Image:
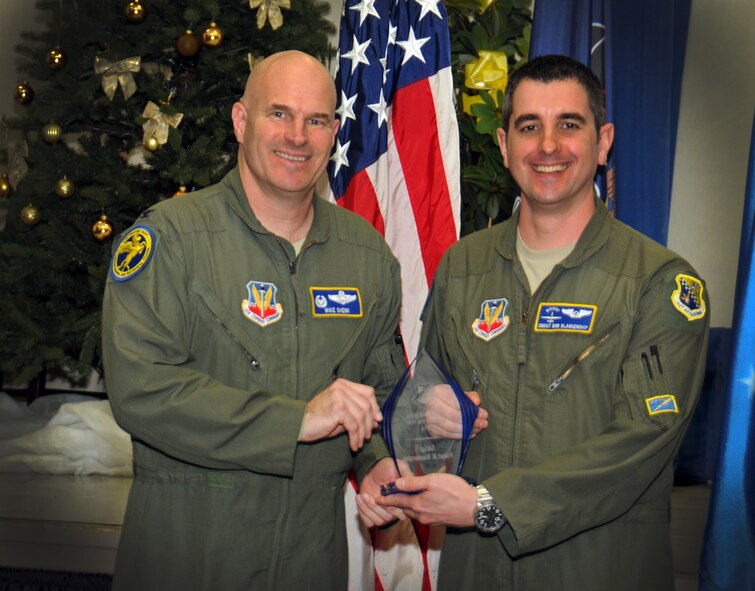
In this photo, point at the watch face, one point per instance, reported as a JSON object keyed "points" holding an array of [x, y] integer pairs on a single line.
{"points": [[489, 519]]}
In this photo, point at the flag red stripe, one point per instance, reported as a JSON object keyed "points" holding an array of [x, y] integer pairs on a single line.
{"points": [[360, 198], [415, 126]]}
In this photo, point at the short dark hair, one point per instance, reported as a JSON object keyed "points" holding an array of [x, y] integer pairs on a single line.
{"points": [[550, 68]]}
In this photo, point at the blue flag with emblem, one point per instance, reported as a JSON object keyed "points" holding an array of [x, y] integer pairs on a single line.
{"points": [[646, 39], [728, 557]]}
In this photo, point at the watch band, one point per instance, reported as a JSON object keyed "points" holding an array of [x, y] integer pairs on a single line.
{"points": [[488, 516]]}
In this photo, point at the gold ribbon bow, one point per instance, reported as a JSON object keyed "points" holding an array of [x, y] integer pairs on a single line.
{"points": [[120, 72], [157, 123], [490, 71], [270, 10]]}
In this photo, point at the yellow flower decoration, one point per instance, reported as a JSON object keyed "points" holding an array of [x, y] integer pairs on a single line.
{"points": [[270, 10], [490, 71]]}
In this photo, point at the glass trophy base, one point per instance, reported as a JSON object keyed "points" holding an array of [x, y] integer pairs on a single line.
{"points": [[391, 489]]}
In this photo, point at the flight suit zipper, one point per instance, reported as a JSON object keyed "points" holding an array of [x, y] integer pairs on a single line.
{"points": [[579, 358]]}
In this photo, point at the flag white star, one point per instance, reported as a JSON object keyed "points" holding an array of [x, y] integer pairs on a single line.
{"points": [[380, 108], [339, 156], [384, 63], [356, 53], [366, 8], [749, 381], [428, 6], [346, 110], [412, 47], [391, 33]]}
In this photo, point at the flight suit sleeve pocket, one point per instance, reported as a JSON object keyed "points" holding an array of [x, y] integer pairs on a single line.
{"points": [[651, 389]]}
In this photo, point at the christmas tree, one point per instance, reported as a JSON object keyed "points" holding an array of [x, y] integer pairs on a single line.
{"points": [[125, 104]]}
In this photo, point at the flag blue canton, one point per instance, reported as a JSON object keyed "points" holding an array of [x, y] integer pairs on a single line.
{"points": [[384, 46]]}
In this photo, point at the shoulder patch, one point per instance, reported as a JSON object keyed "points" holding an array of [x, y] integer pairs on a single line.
{"points": [[687, 298], [662, 404], [132, 254]]}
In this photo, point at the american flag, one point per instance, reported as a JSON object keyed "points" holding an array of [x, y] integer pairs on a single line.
{"points": [[396, 160], [396, 163]]}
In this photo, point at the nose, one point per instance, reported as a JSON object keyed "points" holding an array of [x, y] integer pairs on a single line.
{"points": [[296, 132], [549, 141]]}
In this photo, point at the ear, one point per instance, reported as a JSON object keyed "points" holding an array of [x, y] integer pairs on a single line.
{"points": [[605, 141], [238, 116], [502, 146]]}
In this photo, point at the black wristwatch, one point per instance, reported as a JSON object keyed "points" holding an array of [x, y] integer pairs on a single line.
{"points": [[488, 516]]}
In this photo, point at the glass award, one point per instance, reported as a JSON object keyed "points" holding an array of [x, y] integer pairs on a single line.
{"points": [[427, 421]]}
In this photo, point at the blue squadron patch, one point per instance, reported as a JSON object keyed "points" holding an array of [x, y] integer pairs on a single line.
{"points": [[132, 254], [661, 404], [688, 297], [336, 301], [261, 307], [561, 317], [493, 320]]}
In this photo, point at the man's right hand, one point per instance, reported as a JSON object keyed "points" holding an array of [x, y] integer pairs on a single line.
{"points": [[343, 407]]}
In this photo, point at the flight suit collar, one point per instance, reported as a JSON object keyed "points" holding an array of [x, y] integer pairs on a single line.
{"points": [[593, 237], [236, 198]]}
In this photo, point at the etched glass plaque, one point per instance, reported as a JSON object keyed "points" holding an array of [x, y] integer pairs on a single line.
{"points": [[427, 421]]}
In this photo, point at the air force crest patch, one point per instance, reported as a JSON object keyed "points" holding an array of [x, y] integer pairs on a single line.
{"points": [[336, 301], [493, 320], [261, 307], [132, 254], [688, 297], [560, 317], [662, 404]]}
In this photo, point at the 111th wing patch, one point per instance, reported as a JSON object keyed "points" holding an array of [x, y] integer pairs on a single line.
{"points": [[688, 297]]}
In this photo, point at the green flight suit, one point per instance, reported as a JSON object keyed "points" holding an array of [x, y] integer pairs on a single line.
{"points": [[215, 336], [590, 383]]}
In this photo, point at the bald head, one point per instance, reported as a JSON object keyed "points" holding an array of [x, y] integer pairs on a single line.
{"points": [[295, 63]]}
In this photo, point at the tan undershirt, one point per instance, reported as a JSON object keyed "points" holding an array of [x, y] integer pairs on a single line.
{"points": [[538, 264], [297, 245]]}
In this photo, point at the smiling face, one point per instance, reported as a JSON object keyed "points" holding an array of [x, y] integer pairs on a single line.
{"points": [[552, 148], [285, 126]]}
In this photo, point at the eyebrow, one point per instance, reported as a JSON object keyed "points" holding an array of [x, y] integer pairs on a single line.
{"points": [[287, 109], [562, 117]]}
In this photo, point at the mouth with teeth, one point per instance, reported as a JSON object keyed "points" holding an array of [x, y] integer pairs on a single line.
{"points": [[550, 168], [291, 157]]}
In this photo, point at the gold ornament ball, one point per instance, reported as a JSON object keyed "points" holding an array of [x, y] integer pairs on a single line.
{"points": [[151, 143], [24, 93], [5, 186], [135, 12], [187, 44], [51, 132], [30, 215], [102, 228], [56, 59], [181, 192], [212, 36], [64, 188]]}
